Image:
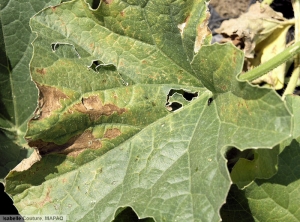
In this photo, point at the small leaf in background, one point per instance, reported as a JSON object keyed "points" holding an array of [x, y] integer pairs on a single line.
{"points": [[262, 165]]}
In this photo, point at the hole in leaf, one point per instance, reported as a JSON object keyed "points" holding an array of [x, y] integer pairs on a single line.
{"points": [[234, 154], [54, 46], [189, 96], [97, 65], [94, 4], [173, 106], [65, 50], [94, 65], [127, 214], [177, 98]]}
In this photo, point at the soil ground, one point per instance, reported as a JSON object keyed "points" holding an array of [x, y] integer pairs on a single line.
{"points": [[230, 8], [233, 8]]}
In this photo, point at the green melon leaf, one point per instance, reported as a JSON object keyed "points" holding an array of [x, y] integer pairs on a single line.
{"points": [[277, 198], [18, 94], [109, 126], [262, 166]]}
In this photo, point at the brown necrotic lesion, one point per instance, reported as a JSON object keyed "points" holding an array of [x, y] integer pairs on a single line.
{"points": [[95, 108], [73, 147], [92, 106], [49, 101], [76, 144]]}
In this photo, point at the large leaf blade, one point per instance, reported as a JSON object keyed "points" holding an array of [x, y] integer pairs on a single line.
{"points": [[120, 137]]}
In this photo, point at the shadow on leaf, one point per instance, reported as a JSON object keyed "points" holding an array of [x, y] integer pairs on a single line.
{"points": [[236, 207], [39, 172]]}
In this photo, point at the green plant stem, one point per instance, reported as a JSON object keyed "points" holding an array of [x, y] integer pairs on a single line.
{"points": [[264, 68], [287, 79], [296, 72]]}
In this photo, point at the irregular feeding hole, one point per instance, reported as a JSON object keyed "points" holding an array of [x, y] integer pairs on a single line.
{"points": [[97, 65], [65, 50], [177, 98], [234, 154], [94, 4], [94, 65], [173, 106], [54, 46], [189, 96]]}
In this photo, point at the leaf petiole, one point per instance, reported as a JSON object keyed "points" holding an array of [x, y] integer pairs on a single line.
{"points": [[264, 68], [296, 72]]}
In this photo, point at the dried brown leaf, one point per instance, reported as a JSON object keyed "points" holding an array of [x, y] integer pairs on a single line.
{"points": [[252, 27]]}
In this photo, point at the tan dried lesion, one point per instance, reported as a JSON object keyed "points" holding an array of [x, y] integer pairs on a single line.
{"points": [[49, 100], [112, 133], [73, 147], [95, 108], [202, 33]]}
